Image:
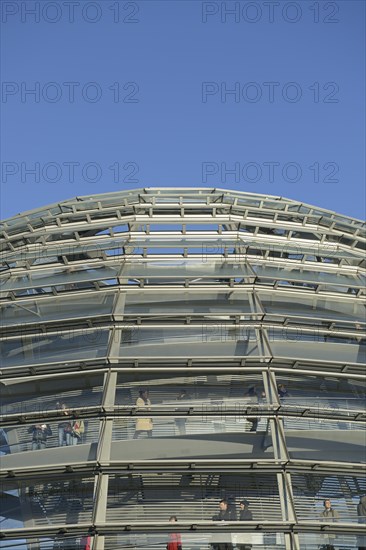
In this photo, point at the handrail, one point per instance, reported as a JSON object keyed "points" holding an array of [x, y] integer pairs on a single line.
{"points": [[220, 408], [106, 528], [231, 465]]}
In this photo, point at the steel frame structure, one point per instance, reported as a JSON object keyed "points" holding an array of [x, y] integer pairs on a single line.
{"points": [[176, 284]]}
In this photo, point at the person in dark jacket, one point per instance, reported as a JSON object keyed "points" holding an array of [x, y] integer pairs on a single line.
{"points": [[253, 394], [361, 512], [225, 514], [63, 426], [175, 541], [245, 515], [39, 432], [282, 391], [231, 506], [252, 391]]}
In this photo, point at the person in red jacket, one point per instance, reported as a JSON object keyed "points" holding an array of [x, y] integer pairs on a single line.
{"points": [[175, 541], [85, 542]]}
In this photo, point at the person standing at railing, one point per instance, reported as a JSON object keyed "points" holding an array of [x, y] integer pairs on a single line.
{"points": [[282, 391], [85, 542], [39, 432], [63, 426], [329, 515], [361, 512], [74, 430], [181, 421], [77, 430], [175, 540], [225, 514], [143, 425], [252, 391], [260, 398], [253, 394], [245, 515]]}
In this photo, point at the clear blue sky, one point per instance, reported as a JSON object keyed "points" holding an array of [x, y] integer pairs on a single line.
{"points": [[168, 121], [295, 126]]}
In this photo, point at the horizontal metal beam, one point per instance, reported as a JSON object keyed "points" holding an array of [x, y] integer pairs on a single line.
{"points": [[230, 466], [106, 529], [191, 369], [193, 364], [220, 408]]}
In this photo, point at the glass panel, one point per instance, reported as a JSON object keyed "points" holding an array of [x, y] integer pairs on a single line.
{"points": [[59, 542], [298, 345], [222, 340], [67, 276], [43, 435], [86, 248], [314, 541], [209, 405], [197, 541], [221, 302], [215, 245], [297, 275], [215, 404], [321, 440], [56, 309], [321, 393], [94, 228], [227, 390], [254, 443], [296, 248], [68, 346], [64, 500], [321, 423], [41, 396], [192, 497], [312, 307], [344, 493], [185, 268]]}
